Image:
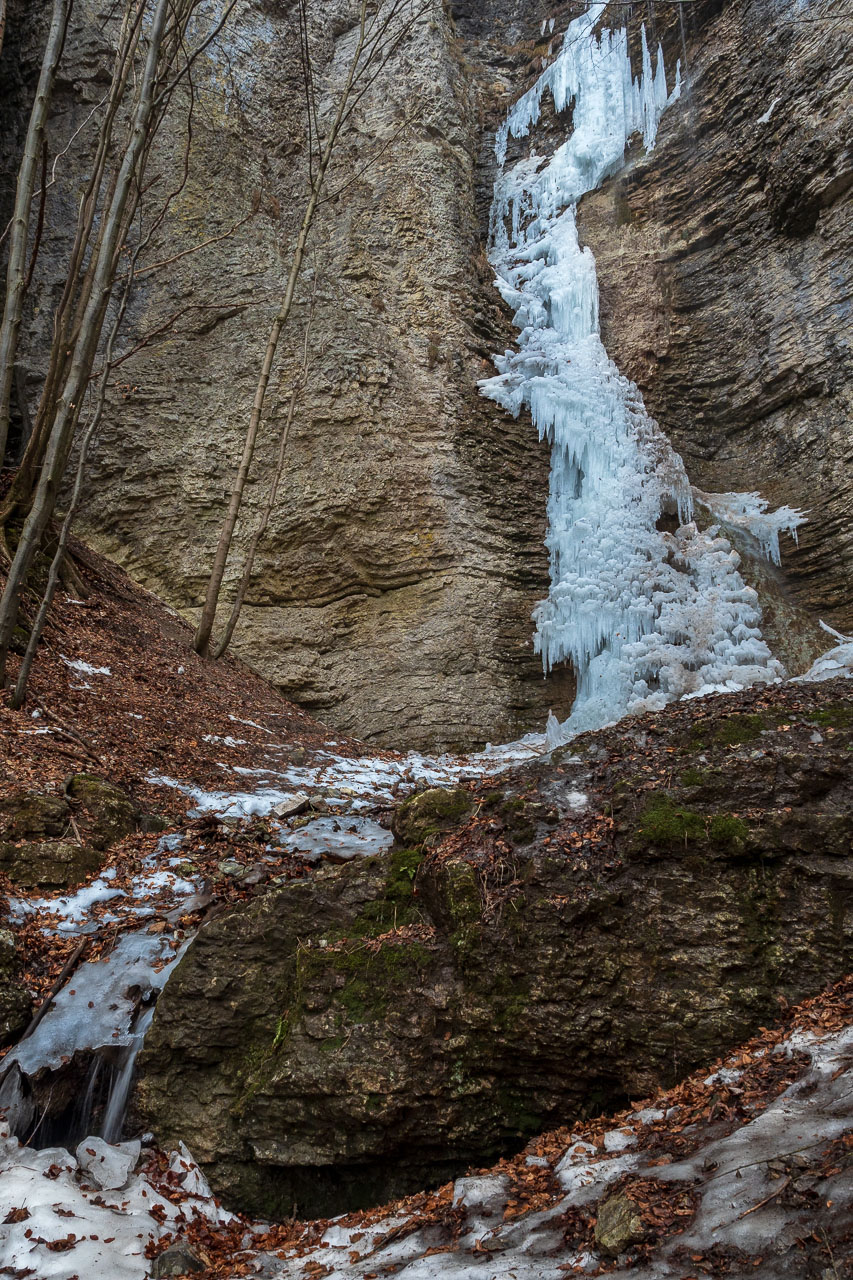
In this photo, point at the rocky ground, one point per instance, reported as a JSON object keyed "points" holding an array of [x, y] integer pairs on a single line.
{"points": [[421, 891]]}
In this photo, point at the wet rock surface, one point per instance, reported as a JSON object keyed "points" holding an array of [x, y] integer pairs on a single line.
{"points": [[376, 1027]]}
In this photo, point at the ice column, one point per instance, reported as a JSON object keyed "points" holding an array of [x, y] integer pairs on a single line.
{"points": [[645, 615]]}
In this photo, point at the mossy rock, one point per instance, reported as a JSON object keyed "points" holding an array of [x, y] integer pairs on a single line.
{"points": [[728, 832], [835, 716], [665, 824], [110, 813], [33, 816], [618, 1225], [421, 819], [49, 864], [16, 1007], [730, 731], [669, 825], [311, 1054]]}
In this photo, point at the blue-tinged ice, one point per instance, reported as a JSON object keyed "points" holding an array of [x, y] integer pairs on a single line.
{"points": [[644, 615]]}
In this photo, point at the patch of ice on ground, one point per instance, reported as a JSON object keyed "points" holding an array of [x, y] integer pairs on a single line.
{"points": [[152, 885], [812, 1112], [100, 1232], [85, 668], [253, 724], [369, 782], [72, 909], [344, 838], [618, 1140], [730, 1173], [726, 1075]]}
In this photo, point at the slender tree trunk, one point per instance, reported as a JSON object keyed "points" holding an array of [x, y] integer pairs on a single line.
{"points": [[246, 578], [56, 567], [16, 271], [276, 481], [80, 366], [201, 642], [2, 22], [20, 493]]}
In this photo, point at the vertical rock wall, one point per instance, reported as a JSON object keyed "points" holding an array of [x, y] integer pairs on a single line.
{"points": [[393, 593]]}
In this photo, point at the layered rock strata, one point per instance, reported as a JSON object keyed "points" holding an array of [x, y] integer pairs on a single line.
{"points": [[393, 592]]}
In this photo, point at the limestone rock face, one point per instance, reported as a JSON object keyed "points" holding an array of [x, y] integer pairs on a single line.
{"points": [[724, 267], [393, 592], [384, 1025], [394, 589]]}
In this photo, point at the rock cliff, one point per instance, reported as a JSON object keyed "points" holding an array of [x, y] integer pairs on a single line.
{"points": [[393, 592], [383, 1025]]}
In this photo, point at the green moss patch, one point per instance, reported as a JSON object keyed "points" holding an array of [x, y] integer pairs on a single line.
{"points": [[728, 832], [668, 825], [421, 819], [732, 731]]}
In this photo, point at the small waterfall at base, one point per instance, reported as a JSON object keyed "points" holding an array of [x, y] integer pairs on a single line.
{"points": [[116, 1107], [81, 1121], [646, 606]]}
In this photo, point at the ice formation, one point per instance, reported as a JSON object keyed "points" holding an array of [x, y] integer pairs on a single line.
{"points": [[645, 615], [97, 1010]]}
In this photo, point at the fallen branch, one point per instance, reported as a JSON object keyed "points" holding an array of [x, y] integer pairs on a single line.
{"points": [[71, 733], [67, 969], [773, 1194]]}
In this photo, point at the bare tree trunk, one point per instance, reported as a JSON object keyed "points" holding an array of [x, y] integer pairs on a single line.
{"points": [[273, 491], [68, 404], [56, 567], [2, 22], [20, 493], [201, 641], [16, 271]]}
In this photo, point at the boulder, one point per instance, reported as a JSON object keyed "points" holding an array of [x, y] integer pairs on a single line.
{"points": [[618, 1225], [32, 816], [384, 1025], [49, 864], [56, 842], [109, 813], [422, 818], [177, 1260]]}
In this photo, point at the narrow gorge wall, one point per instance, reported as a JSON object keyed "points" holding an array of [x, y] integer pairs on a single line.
{"points": [[393, 593]]}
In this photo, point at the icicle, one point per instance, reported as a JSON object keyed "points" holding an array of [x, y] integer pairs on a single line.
{"points": [[644, 615]]}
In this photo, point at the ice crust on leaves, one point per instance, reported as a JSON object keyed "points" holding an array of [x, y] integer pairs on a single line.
{"points": [[644, 615], [96, 1009]]}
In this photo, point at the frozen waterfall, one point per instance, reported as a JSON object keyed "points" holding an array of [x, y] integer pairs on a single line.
{"points": [[644, 615]]}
